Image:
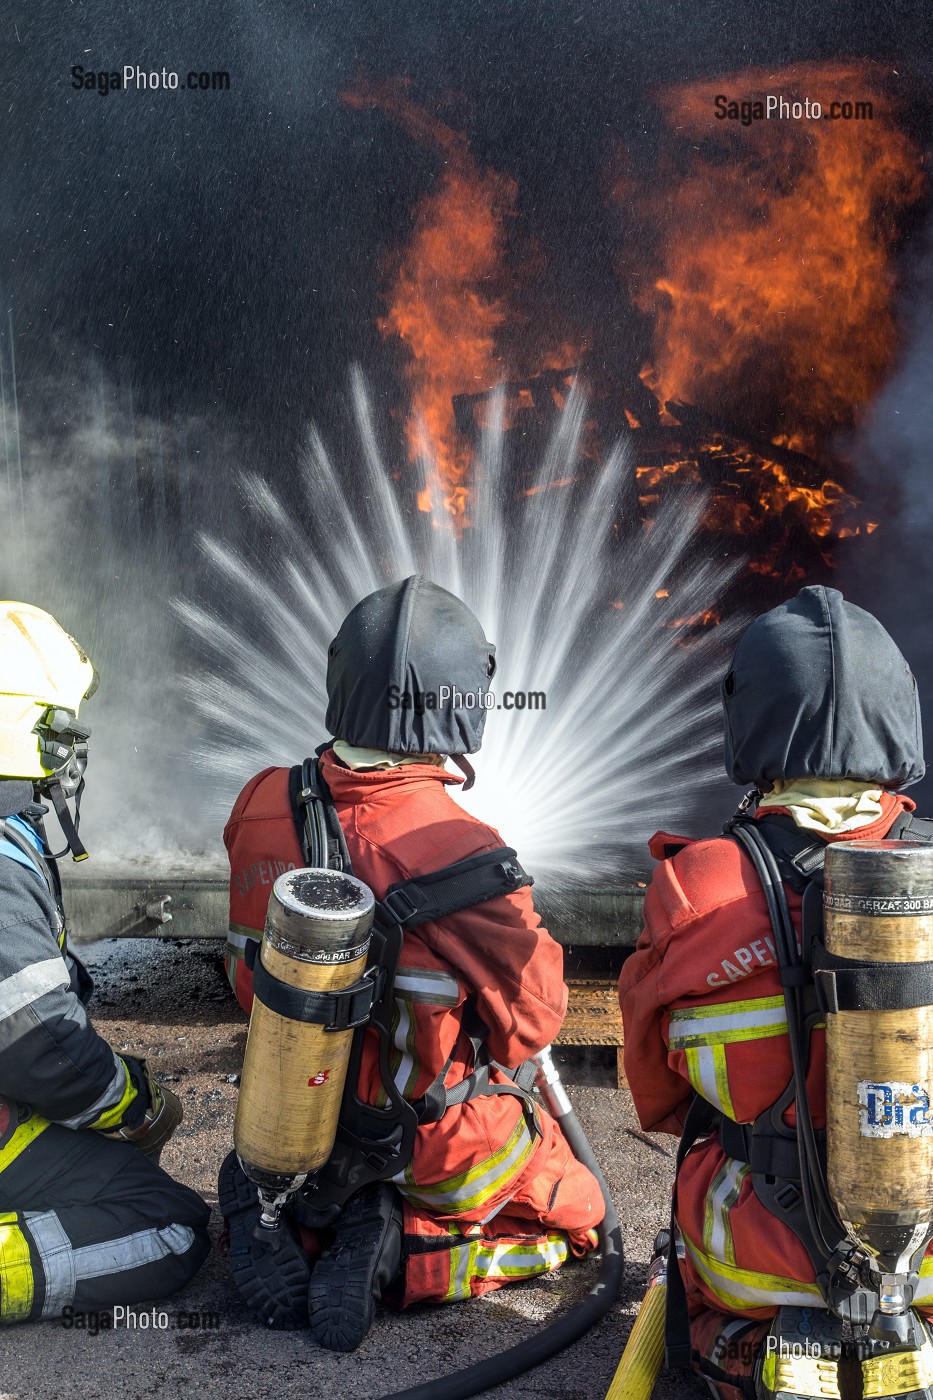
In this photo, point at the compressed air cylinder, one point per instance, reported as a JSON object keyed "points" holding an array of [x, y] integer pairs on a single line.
{"points": [[316, 939], [879, 908]]}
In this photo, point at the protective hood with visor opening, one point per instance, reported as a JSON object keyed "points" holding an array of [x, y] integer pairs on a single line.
{"points": [[818, 689], [407, 672]]}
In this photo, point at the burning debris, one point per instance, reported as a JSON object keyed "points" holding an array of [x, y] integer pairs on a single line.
{"points": [[772, 310], [768, 276]]}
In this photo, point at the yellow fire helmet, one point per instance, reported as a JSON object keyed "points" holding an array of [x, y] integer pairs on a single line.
{"points": [[43, 671], [44, 676]]}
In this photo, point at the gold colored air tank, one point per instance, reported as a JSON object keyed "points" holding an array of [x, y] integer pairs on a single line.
{"points": [[316, 939], [879, 908]]}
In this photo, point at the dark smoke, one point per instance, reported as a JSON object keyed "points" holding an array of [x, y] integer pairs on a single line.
{"points": [[189, 277]]}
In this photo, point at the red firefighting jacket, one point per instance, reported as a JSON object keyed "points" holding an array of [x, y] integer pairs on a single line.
{"points": [[704, 1012], [400, 823]]}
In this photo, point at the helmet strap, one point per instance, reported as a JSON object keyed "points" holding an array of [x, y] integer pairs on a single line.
{"points": [[68, 825]]}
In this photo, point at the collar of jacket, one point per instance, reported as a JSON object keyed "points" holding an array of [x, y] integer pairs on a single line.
{"points": [[347, 783], [892, 804], [15, 796], [356, 758]]}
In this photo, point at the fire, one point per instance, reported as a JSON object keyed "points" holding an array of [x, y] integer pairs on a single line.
{"points": [[449, 305], [442, 304], [775, 296], [557, 485], [773, 302], [708, 617]]}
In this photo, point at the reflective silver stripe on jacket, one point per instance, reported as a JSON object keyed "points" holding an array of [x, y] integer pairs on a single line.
{"points": [[57, 1257], [30, 983], [64, 1266], [108, 1099]]}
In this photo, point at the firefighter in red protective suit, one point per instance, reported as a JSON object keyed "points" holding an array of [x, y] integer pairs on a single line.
{"points": [[493, 1192], [821, 715]]}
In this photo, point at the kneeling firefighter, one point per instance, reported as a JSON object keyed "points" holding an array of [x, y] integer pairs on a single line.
{"points": [[472, 1184], [87, 1218], [798, 1275]]}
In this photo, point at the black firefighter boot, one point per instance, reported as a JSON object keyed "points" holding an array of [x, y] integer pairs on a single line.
{"points": [[271, 1279], [363, 1260]]}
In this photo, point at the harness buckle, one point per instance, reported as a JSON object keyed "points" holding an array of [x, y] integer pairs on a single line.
{"points": [[366, 991], [788, 1198], [400, 905]]}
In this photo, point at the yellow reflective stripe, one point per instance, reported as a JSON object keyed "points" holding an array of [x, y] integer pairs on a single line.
{"points": [[740, 1288], [22, 1136], [16, 1280], [709, 1075], [462, 1259], [475, 1186], [254, 933], [480, 1259], [721, 1197], [113, 1117], [723, 1010], [727, 1022], [521, 1260], [722, 1080]]}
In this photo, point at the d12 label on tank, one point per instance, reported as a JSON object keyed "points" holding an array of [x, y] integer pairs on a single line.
{"points": [[893, 1109], [319, 1078]]}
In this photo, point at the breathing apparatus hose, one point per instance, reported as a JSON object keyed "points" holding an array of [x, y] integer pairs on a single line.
{"points": [[820, 1211], [473, 1380]]}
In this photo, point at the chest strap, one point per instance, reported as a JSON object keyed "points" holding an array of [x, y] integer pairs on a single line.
{"points": [[409, 903]]}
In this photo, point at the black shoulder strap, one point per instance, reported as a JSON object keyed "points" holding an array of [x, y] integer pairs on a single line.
{"points": [[455, 887], [800, 854], [909, 827], [319, 831]]}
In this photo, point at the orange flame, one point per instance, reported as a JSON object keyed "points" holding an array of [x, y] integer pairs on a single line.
{"points": [[443, 305], [775, 299], [773, 306]]}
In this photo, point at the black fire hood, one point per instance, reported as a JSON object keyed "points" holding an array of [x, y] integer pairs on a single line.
{"points": [[817, 689], [407, 672]]}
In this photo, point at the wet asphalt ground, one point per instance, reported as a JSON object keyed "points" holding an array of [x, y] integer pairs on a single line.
{"points": [[170, 1002]]}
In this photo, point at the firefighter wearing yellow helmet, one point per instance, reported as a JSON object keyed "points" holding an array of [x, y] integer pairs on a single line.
{"points": [[88, 1219]]}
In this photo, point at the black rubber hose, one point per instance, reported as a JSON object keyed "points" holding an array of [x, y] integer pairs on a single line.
{"points": [[473, 1380]]}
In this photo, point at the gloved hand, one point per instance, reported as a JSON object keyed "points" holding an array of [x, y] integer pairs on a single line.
{"points": [[162, 1117]]}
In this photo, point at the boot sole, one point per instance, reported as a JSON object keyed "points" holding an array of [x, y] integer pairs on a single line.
{"points": [[273, 1282]]}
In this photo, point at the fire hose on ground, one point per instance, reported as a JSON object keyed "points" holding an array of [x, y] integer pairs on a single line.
{"points": [[515, 1361]]}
